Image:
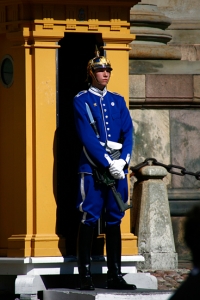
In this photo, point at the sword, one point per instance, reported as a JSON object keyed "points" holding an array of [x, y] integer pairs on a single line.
{"points": [[114, 152], [92, 121], [105, 177]]}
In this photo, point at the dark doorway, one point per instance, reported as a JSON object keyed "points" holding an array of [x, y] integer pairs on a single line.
{"points": [[73, 55]]}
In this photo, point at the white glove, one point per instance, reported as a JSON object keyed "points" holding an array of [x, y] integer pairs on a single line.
{"points": [[117, 166], [120, 176]]}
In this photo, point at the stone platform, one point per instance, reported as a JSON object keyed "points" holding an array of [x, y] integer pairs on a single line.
{"points": [[27, 275], [104, 294], [61, 265]]}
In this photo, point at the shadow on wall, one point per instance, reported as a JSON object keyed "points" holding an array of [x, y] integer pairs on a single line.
{"points": [[73, 55]]}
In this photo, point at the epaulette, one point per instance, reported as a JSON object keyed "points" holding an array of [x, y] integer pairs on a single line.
{"points": [[115, 93], [81, 93]]}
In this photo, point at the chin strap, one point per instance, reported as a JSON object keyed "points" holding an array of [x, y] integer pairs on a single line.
{"points": [[93, 76]]}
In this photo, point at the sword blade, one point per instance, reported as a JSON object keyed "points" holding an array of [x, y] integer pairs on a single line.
{"points": [[92, 121], [89, 113]]}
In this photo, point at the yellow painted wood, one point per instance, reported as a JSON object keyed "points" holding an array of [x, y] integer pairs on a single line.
{"points": [[29, 33]]}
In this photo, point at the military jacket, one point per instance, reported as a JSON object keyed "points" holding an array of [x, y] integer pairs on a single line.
{"points": [[113, 123]]}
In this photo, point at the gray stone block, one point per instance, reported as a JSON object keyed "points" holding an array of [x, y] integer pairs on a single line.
{"points": [[137, 86], [196, 80], [185, 36], [188, 52], [152, 220], [154, 51], [163, 67], [159, 261], [151, 137], [142, 280], [29, 285], [169, 86], [185, 128]]}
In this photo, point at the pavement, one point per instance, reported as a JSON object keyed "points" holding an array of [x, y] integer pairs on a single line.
{"points": [[170, 279], [104, 294], [168, 282]]}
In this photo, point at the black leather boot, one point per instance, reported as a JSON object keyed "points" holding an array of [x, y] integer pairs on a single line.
{"points": [[84, 244], [113, 248]]}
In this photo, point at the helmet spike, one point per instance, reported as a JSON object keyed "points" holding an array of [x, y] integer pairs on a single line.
{"points": [[97, 52]]}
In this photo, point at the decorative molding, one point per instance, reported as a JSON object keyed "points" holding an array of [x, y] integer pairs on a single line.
{"points": [[182, 200], [11, 13], [116, 48], [149, 24], [48, 12], [71, 13], [70, 27], [184, 25], [48, 26], [93, 13], [154, 52], [168, 103], [93, 27], [184, 194], [35, 245], [71, 18], [115, 14], [35, 39], [2, 14], [164, 91], [12, 17], [2, 18], [44, 46], [19, 245], [115, 27], [126, 3]]}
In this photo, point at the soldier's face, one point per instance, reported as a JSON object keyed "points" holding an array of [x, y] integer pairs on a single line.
{"points": [[102, 78]]}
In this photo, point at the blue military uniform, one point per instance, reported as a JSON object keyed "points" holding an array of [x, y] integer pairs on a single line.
{"points": [[114, 124]]}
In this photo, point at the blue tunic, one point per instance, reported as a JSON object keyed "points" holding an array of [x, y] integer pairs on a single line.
{"points": [[113, 123]]}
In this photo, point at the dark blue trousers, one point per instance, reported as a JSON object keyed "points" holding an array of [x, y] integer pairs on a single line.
{"points": [[93, 198]]}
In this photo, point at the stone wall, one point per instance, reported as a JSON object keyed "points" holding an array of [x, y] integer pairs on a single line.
{"points": [[165, 97], [185, 27]]}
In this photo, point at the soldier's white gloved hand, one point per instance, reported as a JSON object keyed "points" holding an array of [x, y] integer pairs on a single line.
{"points": [[119, 176], [117, 166]]}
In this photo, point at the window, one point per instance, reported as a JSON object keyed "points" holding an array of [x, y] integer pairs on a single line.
{"points": [[6, 69]]}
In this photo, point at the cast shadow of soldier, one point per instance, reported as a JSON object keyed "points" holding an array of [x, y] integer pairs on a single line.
{"points": [[67, 147]]}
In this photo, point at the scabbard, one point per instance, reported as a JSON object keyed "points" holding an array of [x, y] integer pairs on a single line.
{"points": [[118, 198]]}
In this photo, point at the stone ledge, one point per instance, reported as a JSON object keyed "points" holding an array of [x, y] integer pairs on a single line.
{"points": [[102, 294], [149, 51], [142, 67], [61, 265]]}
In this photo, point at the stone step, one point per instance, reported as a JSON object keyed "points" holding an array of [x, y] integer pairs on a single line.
{"points": [[104, 294], [61, 265]]}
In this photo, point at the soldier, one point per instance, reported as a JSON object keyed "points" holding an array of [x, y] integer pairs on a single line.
{"points": [[105, 129]]}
